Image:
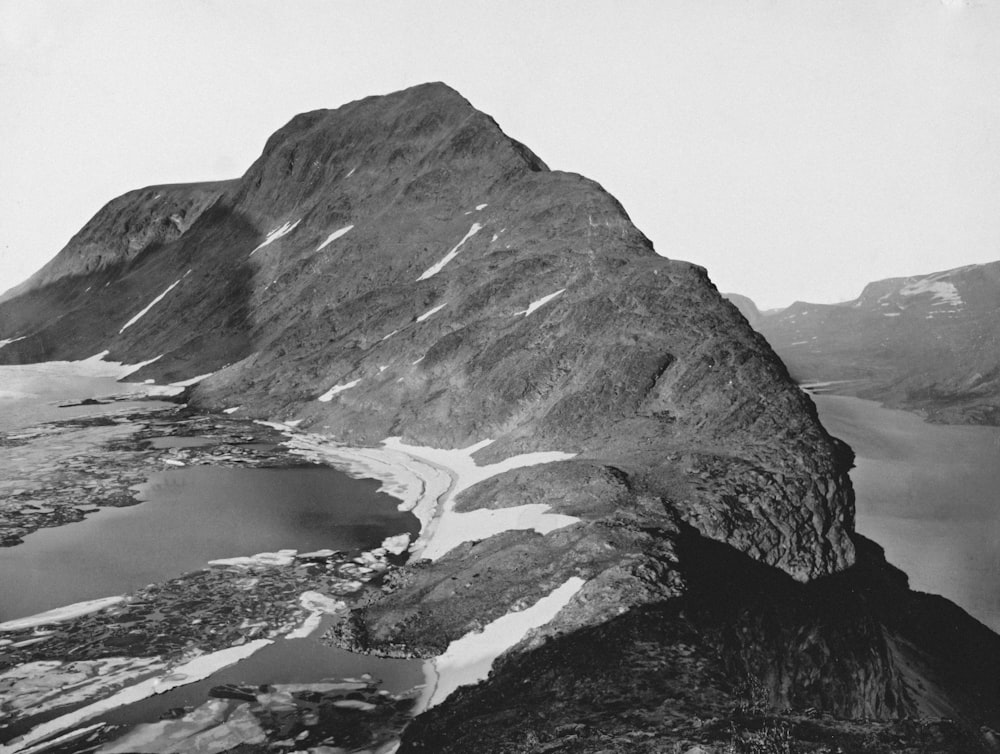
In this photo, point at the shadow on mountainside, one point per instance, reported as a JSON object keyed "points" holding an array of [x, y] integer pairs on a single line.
{"points": [[748, 660], [82, 315]]}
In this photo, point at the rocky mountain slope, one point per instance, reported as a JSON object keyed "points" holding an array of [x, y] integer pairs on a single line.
{"points": [[926, 342], [399, 267]]}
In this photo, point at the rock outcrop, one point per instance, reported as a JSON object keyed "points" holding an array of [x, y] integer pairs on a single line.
{"points": [[399, 267], [927, 343]]}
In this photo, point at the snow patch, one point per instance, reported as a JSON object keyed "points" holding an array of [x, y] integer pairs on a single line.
{"points": [[334, 236], [328, 395], [210, 728], [317, 554], [275, 233], [386, 337], [317, 605], [192, 380], [414, 363], [351, 173], [44, 685], [430, 312], [426, 481], [8, 341], [468, 660], [262, 559], [60, 614], [396, 545], [537, 304], [436, 268], [481, 207], [151, 304], [945, 292], [449, 528], [456, 528], [232, 410], [317, 602], [65, 738], [194, 670], [891, 314]]}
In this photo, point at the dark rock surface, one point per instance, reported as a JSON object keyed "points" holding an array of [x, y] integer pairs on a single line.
{"points": [[746, 661], [927, 343], [324, 266]]}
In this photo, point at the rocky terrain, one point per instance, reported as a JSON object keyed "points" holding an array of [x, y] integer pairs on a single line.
{"points": [[401, 268], [926, 343], [57, 473], [50, 474], [745, 661]]}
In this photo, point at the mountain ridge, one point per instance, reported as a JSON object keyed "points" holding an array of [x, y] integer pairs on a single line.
{"points": [[400, 269], [923, 342]]}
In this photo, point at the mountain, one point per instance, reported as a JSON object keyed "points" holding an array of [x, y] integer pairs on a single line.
{"points": [[401, 268], [746, 307], [926, 343], [400, 245]]}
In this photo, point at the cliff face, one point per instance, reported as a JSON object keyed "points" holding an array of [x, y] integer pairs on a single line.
{"points": [[401, 267], [926, 342]]}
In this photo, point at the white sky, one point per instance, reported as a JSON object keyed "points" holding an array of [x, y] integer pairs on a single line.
{"points": [[797, 149]]}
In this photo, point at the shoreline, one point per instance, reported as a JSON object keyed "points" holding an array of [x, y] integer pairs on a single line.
{"points": [[427, 481]]}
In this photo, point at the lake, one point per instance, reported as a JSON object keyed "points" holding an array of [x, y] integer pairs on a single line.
{"points": [[190, 516], [930, 495]]}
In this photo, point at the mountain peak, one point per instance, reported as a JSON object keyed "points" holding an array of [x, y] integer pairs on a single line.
{"points": [[402, 136]]}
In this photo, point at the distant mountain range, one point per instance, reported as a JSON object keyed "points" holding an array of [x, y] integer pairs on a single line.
{"points": [[927, 343]]}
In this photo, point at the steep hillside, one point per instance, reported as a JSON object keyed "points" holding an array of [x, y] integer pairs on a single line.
{"points": [[400, 266], [400, 276], [927, 342]]}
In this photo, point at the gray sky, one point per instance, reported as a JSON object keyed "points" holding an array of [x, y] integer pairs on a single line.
{"points": [[797, 149]]}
